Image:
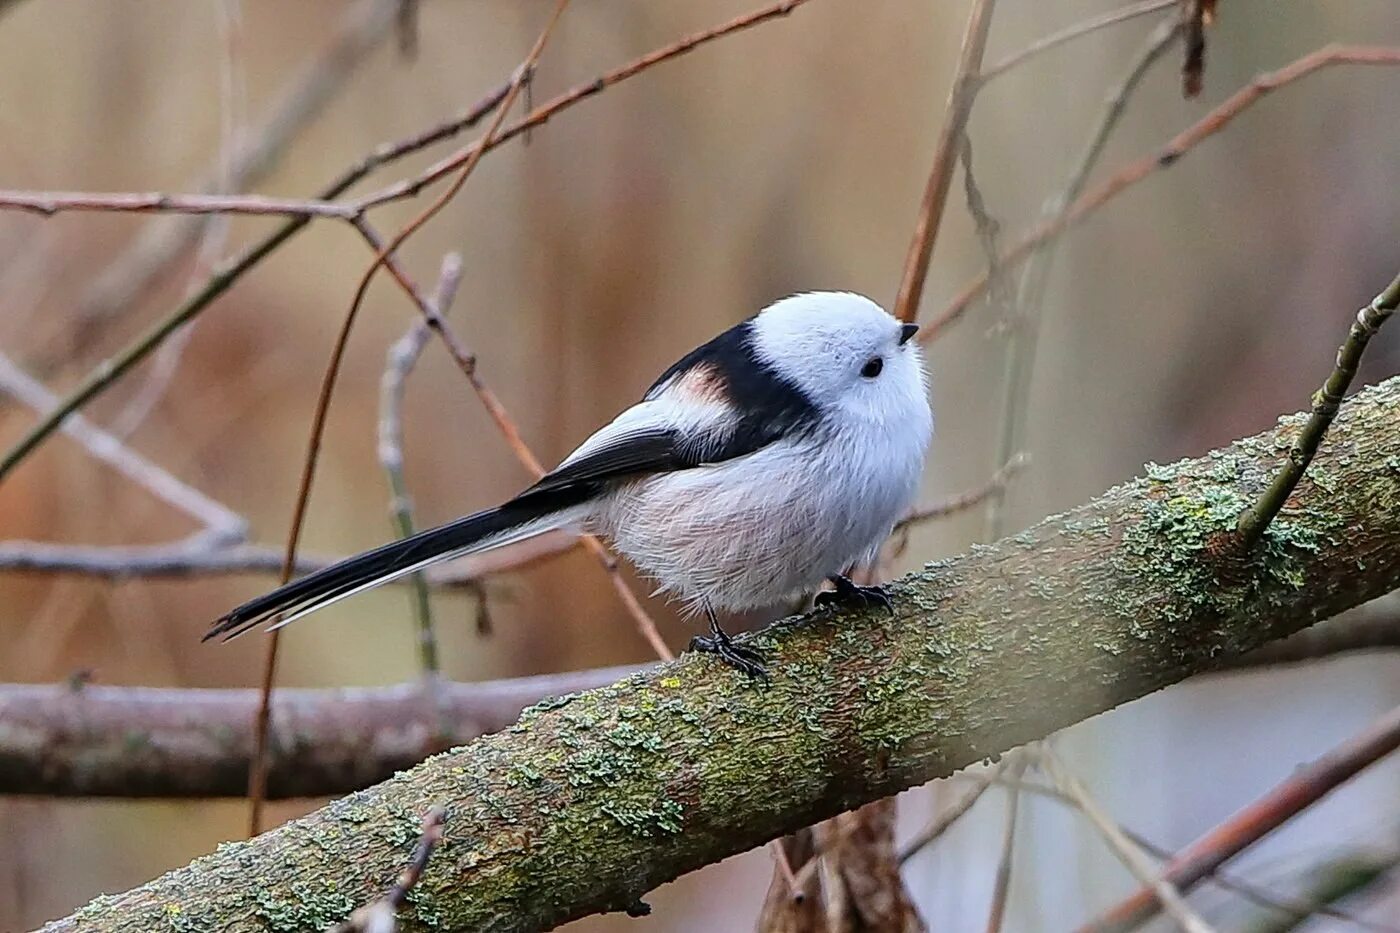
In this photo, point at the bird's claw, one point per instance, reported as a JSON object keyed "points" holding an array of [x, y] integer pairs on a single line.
{"points": [[847, 592], [737, 656]]}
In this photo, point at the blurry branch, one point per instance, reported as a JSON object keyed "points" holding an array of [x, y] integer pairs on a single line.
{"points": [[401, 358], [1366, 628], [220, 524], [1001, 878], [256, 773], [262, 145], [966, 500], [1054, 40], [1331, 882], [1139, 169], [1198, 15], [1295, 907], [945, 156], [1023, 338], [1325, 403], [199, 556], [542, 114], [587, 803], [49, 203], [945, 820], [1301, 790], [114, 368], [97, 741], [1127, 851], [381, 916]]}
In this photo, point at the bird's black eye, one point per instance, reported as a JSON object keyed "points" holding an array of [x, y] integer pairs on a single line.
{"points": [[872, 367]]}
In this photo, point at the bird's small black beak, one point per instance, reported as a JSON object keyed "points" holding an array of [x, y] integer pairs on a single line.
{"points": [[906, 331]]}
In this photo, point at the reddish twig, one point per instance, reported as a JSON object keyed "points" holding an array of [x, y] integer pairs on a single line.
{"points": [[466, 361], [257, 773], [544, 112], [1286, 800], [945, 157], [1135, 171]]}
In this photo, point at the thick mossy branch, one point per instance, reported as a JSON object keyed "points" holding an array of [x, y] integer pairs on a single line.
{"points": [[588, 802]]}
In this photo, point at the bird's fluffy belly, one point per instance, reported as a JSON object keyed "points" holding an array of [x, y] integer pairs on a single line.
{"points": [[749, 533]]}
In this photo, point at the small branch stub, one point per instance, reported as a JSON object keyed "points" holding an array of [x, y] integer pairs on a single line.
{"points": [[1325, 403]]}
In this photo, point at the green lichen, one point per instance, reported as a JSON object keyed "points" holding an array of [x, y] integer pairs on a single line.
{"points": [[661, 817], [297, 907]]}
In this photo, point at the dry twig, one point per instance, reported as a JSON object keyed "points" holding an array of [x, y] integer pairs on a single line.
{"points": [[1139, 169], [381, 916], [1286, 800], [945, 157]]}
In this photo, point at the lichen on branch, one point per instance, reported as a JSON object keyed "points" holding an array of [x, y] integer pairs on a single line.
{"points": [[590, 801]]}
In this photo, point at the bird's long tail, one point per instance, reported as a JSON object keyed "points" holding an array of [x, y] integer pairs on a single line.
{"points": [[518, 519]]}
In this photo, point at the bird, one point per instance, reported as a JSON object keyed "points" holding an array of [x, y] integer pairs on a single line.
{"points": [[764, 464]]}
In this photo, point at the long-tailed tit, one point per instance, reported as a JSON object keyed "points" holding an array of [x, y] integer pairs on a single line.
{"points": [[775, 457]]}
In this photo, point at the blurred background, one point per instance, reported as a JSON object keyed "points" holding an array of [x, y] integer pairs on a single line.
{"points": [[1192, 310]]}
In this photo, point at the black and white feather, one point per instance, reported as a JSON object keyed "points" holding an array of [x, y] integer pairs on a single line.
{"points": [[772, 457]]}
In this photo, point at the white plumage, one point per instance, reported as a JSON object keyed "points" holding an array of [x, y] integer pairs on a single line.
{"points": [[775, 457]]}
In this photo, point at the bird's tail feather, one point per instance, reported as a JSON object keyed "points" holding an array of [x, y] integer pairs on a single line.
{"points": [[481, 531]]}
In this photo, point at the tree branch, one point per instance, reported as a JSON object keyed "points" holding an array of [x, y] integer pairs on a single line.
{"points": [[589, 802], [96, 741]]}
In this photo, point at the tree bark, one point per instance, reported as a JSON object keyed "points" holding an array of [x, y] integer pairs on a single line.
{"points": [[89, 741], [589, 802]]}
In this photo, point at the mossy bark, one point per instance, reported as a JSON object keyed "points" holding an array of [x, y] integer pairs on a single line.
{"points": [[590, 801]]}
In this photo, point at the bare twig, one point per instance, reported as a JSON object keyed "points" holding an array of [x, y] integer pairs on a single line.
{"points": [[305, 95], [1286, 800], [1325, 403], [1196, 16], [1273, 900], [1367, 628], [1139, 169], [402, 357], [117, 366], [945, 156], [945, 820], [966, 500], [1001, 884], [1127, 851], [1023, 340], [219, 522], [381, 916], [256, 779], [1091, 25], [51, 203], [510, 432], [542, 114]]}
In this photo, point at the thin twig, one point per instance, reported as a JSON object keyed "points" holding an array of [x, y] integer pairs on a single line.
{"points": [[1325, 403], [401, 359], [219, 522], [966, 500], [1001, 885], [544, 112], [1029, 298], [1091, 25], [1139, 169], [466, 361], [1128, 853], [1302, 789], [52, 203], [257, 777], [112, 369], [945, 156], [304, 96], [382, 915], [945, 820]]}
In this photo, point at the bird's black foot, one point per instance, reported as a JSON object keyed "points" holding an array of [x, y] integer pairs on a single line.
{"points": [[737, 656], [847, 592]]}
